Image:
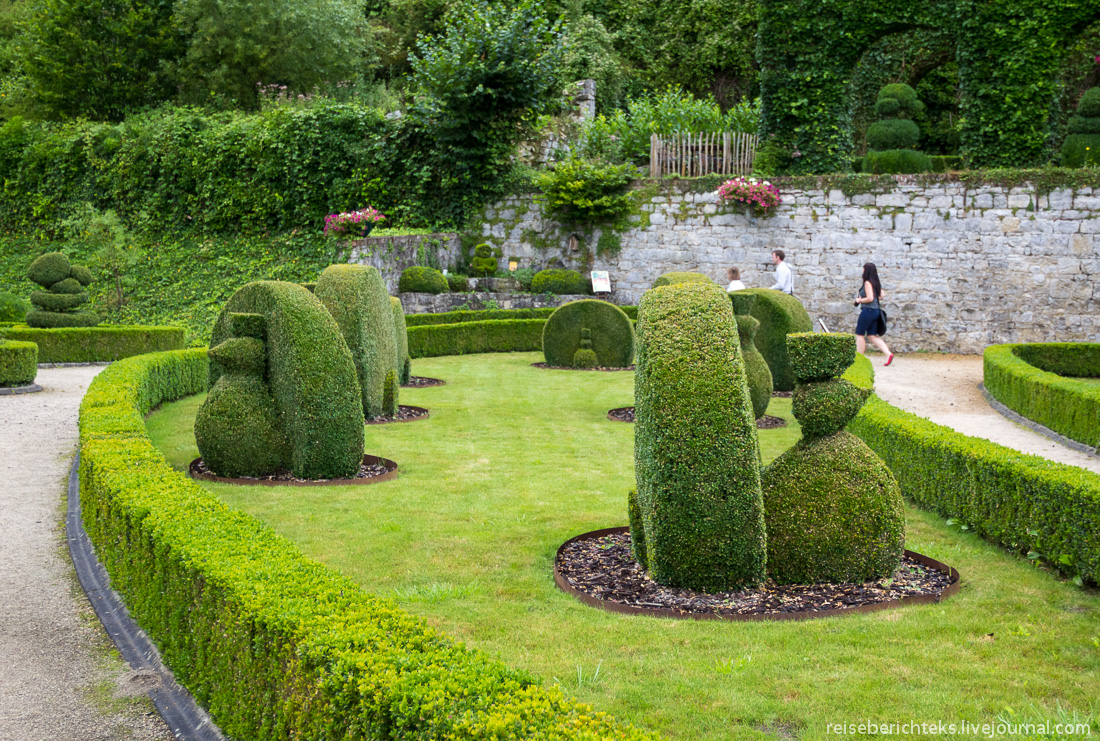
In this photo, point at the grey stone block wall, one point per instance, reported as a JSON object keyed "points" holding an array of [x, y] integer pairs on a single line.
{"points": [[391, 255], [427, 303]]}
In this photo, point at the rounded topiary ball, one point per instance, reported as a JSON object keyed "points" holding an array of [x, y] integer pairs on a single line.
{"points": [[49, 268], [833, 513], [418, 279], [612, 333], [1089, 105], [82, 274], [893, 133]]}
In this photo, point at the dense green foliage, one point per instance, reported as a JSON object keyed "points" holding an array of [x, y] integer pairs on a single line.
{"points": [[420, 279], [818, 356], [696, 456], [1044, 382], [612, 334], [757, 373], [779, 314], [12, 308], [458, 283], [456, 317], [18, 363], [494, 335], [485, 259], [311, 374], [211, 585], [587, 193], [1082, 145], [893, 133], [401, 349], [96, 344], [898, 161], [355, 296], [561, 282], [669, 279]]}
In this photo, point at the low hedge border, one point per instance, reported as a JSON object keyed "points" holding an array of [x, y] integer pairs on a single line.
{"points": [[457, 317], [274, 644], [494, 335], [1022, 502], [18, 363], [96, 344], [1031, 380]]}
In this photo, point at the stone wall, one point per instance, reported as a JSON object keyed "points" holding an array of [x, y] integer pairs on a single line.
{"points": [[429, 303], [391, 255], [962, 267]]}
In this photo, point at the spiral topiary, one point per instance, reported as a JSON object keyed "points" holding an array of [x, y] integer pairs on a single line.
{"points": [[611, 334], [757, 374], [404, 363], [64, 293], [1082, 144], [892, 138], [833, 509]]}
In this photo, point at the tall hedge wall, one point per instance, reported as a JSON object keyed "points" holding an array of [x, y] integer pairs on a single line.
{"points": [[274, 644]]}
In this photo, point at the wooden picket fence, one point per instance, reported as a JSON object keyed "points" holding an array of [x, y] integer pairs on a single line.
{"points": [[695, 155]]}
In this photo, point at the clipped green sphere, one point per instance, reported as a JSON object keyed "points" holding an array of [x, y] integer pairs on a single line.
{"points": [[1089, 105], [49, 268], [612, 333], [69, 285], [418, 279], [82, 275]]}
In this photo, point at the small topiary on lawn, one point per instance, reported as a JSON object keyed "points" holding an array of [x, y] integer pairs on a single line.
{"points": [[18, 363], [1082, 144], [669, 279], [779, 314], [419, 279], [12, 308], [485, 259], [757, 374], [561, 282], [585, 356], [64, 293], [404, 363], [833, 509], [696, 458], [610, 329]]}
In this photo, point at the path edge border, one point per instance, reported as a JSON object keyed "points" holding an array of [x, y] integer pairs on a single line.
{"points": [[1034, 426]]}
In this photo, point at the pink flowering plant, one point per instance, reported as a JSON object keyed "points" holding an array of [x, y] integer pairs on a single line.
{"points": [[760, 195], [352, 224]]}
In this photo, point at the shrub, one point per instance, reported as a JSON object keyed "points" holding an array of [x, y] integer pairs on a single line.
{"points": [[695, 445], [50, 268], [612, 334], [587, 193], [757, 374], [485, 259], [458, 283], [509, 335], [897, 161], [403, 364], [356, 298], [779, 315], [12, 308], [892, 133], [561, 282], [673, 278], [63, 294], [1082, 145], [946, 163], [97, 344], [311, 374], [819, 356], [18, 363], [457, 317], [419, 279]]}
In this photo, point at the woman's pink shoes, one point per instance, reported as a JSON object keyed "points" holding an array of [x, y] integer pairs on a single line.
{"points": [[889, 359]]}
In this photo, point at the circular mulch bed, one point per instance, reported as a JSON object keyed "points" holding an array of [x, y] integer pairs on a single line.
{"points": [[598, 569], [404, 414], [371, 471], [782, 394], [422, 382], [569, 367], [33, 388], [626, 414]]}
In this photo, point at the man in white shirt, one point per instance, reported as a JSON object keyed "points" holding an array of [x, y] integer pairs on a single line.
{"points": [[784, 279]]}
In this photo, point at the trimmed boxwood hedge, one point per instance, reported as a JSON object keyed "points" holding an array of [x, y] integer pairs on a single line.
{"points": [[779, 314], [96, 344], [419, 279], [670, 279], [456, 317], [612, 334], [18, 363], [1038, 381], [401, 334], [561, 282], [274, 644], [817, 356], [510, 335]]}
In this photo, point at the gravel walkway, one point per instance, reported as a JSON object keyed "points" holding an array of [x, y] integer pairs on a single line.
{"points": [[60, 677], [944, 389]]}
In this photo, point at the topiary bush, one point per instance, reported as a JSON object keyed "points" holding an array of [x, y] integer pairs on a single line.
{"points": [[310, 373], [12, 308], [356, 297], [1082, 145], [893, 133], [561, 282], [458, 283], [897, 162], [779, 314], [18, 363], [64, 292], [892, 139], [757, 374], [833, 509], [611, 334], [419, 279], [404, 364], [485, 259], [696, 458], [585, 356], [673, 278]]}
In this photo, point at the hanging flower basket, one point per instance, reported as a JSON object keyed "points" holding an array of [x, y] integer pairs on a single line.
{"points": [[759, 196], [352, 224]]}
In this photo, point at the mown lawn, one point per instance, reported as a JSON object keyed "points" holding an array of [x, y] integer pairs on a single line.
{"points": [[515, 460]]}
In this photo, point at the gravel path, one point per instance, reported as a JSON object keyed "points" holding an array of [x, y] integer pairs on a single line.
{"points": [[60, 676], [944, 389]]}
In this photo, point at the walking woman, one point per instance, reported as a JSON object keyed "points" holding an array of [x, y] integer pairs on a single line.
{"points": [[869, 313]]}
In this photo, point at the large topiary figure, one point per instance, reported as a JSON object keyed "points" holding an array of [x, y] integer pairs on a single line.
{"points": [[1082, 145], [560, 282], [697, 516], [290, 348], [669, 279], [611, 334], [418, 279], [12, 308], [779, 314], [892, 139], [833, 509], [64, 283], [757, 373], [404, 362], [356, 297]]}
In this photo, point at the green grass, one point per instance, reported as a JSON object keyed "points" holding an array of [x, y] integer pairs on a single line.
{"points": [[514, 460]]}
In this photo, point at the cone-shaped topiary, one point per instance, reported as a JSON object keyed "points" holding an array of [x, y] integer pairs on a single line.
{"points": [[779, 314], [64, 293], [833, 509], [308, 369], [1082, 144], [695, 449], [611, 334], [669, 279], [356, 297], [404, 363], [757, 373]]}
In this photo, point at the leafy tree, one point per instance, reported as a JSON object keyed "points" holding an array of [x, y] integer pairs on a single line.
{"points": [[105, 235], [590, 54]]}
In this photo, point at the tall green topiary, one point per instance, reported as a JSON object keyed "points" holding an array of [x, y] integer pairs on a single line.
{"points": [[356, 297], [404, 363], [892, 138], [585, 356], [64, 283], [757, 374], [308, 369], [673, 278], [779, 314], [696, 457], [833, 509], [1082, 145], [485, 259], [611, 334]]}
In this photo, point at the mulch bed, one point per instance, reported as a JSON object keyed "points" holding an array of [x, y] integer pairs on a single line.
{"points": [[569, 367], [404, 414], [603, 568], [768, 422], [626, 414], [782, 394], [422, 382], [372, 470]]}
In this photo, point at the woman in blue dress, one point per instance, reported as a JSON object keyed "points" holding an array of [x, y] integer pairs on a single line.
{"points": [[869, 313]]}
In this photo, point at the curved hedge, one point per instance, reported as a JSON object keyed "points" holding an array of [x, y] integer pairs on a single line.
{"points": [[96, 344], [274, 644], [779, 314], [612, 334], [18, 363], [1037, 381]]}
